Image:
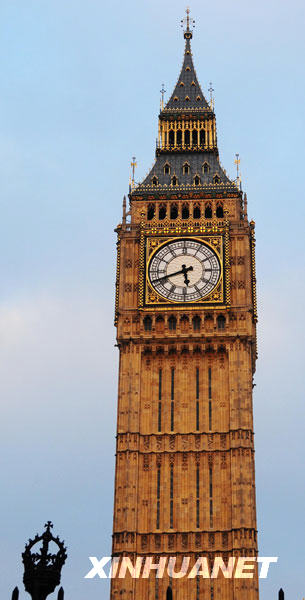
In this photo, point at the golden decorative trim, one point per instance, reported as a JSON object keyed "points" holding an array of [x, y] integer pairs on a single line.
{"points": [[253, 270], [216, 237], [227, 260], [180, 227], [117, 282], [142, 262]]}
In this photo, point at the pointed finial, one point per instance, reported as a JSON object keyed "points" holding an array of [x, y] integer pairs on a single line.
{"points": [[60, 595], [188, 24], [133, 165], [124, 209], [15, 594], [211, 90], [237, 162], [245, 207], [162, 91]]}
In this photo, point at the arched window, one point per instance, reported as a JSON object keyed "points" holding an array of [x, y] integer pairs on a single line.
{"points": [[174, 211], [159, 324], [186, 169], [150, 212], [205, 168], [162, 212], [202, 137], [195, 137], [187, 99], [172, 323], [196, 212], [167, 169], [208, 321], [196, 323], [171, 138], [181, 84], [147, 323], [221, 322], [198, 98], [193, 83], [174, 180], [169, 593], [208, 211], [155, 180], [185, 211], [187, 137], [219, 210], [179, 137], [216, 179], [197, 180], [184, 323]]}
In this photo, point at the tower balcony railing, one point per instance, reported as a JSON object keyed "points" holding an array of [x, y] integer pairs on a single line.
{"points": [[161, 147]]}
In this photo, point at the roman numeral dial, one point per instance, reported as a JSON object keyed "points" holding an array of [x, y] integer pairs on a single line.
{"points": [[184, 270]]}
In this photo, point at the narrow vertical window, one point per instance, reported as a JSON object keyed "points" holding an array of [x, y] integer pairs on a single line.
{"points": [[156, 588], [172, 397], [210, 398], [197, 397], [211, 495], [160, 398], [197, 497], [158, 497], [197, 587], [171, 500]]}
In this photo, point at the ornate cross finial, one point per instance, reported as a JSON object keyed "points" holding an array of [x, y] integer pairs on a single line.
{"points": [[211, 90], [188, 24], [162, 92], [133, 165], [48, 525]]}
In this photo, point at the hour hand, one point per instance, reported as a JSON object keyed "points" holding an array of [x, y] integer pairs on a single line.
{"points": [[185, 271]]}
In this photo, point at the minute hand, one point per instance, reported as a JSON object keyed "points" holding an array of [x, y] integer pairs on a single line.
{"points": [[181, 272]]}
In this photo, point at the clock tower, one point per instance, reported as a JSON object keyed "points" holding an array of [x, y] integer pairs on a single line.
{"points": [[186, 332]]}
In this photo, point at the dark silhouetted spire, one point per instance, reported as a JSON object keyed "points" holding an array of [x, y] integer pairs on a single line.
{"points": [[15, 594]]}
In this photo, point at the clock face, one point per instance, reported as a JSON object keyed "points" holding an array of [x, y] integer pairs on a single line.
{"points": [[184, 270]]}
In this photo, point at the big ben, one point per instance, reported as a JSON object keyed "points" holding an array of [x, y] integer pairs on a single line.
{"points": [[186, 332]]}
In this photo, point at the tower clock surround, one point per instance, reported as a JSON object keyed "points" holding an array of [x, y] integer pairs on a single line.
{"points": [[186, 315], [184, 270]]}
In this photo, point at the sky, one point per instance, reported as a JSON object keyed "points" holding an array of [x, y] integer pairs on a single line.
{"points": [[79, 96]]}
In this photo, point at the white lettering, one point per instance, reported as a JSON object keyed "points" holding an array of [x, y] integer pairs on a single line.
{"points": [[266, 560], [149, 565], [98, 567], [220, 565]]}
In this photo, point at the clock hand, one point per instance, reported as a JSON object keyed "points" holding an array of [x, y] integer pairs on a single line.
{"points": [[182, 272]]}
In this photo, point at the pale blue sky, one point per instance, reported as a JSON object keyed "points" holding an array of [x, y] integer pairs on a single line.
{"points": [[79, 95]]}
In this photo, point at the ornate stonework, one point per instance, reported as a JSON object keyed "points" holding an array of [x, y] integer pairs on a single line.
{"points": [[184, 482]]}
